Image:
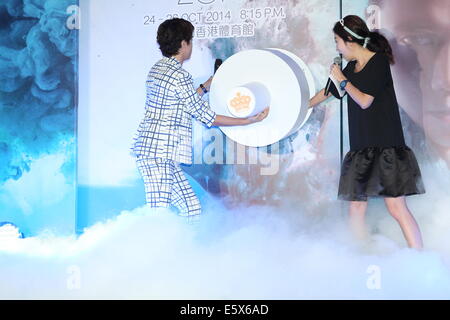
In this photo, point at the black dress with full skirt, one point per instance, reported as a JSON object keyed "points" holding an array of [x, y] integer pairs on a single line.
{"points": [[379, 163]]}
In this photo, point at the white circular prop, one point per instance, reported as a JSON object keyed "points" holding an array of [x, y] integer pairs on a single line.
{"points": [[248, 100], [251, 80]]}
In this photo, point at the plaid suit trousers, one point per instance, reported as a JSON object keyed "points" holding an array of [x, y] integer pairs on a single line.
{"points": [[165, 185]]}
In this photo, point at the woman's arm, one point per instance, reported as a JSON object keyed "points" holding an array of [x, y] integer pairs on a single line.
{"points": [[318, 98], [362, 99]]}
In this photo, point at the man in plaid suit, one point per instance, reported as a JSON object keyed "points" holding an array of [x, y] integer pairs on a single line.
{"points": [[164, 137]]}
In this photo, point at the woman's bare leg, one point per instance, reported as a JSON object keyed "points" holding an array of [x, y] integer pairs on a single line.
{"points": [[357, 214], [399, 210]]}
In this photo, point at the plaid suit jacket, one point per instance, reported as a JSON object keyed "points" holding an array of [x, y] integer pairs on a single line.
{"points": [[171, 103]]}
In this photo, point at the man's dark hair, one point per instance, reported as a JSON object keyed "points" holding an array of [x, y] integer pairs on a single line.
{"points": [[170, 34]]}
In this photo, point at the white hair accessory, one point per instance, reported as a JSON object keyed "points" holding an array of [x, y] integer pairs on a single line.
{"points": [[366, 39]]}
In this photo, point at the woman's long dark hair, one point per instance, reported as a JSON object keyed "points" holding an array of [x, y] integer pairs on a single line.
{"points": [[377, 43]]}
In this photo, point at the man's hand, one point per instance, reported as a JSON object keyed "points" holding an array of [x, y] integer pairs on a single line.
{"points": [[207, 83], [260, 116], [207, 86], [221, 120]]}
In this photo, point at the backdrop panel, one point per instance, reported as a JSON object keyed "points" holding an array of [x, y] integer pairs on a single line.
{"points": [[38, 96], [118, 47]]}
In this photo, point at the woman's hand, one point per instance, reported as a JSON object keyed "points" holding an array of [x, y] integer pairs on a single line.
{"points": [[318, 98], [336, 72], [260, 116]]}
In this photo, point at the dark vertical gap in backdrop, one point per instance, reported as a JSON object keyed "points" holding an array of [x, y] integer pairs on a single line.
{"points": [[341, 116], [341, 103]]}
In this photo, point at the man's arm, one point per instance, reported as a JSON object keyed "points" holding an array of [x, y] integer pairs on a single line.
{"points": [[221, 120]]}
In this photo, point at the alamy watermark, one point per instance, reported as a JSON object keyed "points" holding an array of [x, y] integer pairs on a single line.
{"points": [[374, 280], [373, 17], [73, 281], [216, 148], [73, 22]]}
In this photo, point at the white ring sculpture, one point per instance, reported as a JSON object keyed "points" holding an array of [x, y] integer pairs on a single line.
{"points": [[249, 81]]}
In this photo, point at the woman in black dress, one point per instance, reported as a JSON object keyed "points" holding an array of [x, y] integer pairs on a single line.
{"points": [[379, 164]]}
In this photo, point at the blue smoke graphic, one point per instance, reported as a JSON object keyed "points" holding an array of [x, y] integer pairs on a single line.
{"points": [[38, 76]]}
